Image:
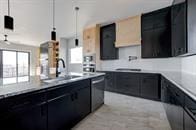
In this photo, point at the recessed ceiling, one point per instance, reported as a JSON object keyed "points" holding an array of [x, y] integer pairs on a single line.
{"points": [[33, 18]]}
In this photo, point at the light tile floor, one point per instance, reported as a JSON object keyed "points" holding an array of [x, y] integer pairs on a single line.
{"points": [[122, 112]]}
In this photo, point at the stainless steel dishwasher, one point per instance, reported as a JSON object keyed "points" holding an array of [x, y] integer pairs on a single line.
{"points": [[97, 92]]}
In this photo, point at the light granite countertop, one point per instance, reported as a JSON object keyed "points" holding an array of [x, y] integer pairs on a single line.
{"points": [[184, 81], [35, 84]]}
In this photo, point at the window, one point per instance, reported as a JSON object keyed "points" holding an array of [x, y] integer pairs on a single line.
{"points": [[15, 66], [76, 55]]}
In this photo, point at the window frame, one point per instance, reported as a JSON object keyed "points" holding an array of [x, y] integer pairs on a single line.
{"points": [[71, 55], [17, 51]]}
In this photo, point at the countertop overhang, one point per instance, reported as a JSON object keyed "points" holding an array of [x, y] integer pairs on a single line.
{"points": [[184, 81], [36, 84]]}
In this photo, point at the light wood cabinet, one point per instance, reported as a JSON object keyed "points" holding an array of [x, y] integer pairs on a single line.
{"points": [[91, 42], [90, 39], [128, 32]]}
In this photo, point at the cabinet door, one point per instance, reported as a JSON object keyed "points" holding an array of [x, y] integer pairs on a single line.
{"points": [[60, 112], [176, 118], [150, 87], [147, 43], [189, 123], [110, 81], [34, 118], [107, 43], [174, 109], [148, 21], [82, 103], [162, 17], [128, 83], [190, 114], [179, 34], [162, 42], [156, 34]]}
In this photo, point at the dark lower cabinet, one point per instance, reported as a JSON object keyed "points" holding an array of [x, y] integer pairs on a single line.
{"points": [[82, 103], [128, 83], [26, 112], [134, 84], [189, 122], [190, 114], [173, 100], [57, 108], [110, 82], [60, 113], [150, 86], [67, 107]]}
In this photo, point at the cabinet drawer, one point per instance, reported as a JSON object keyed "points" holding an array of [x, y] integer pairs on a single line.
{"points": [[63, 90], [21, 101]]}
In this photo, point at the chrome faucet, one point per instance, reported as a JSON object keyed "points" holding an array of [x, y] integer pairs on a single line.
{"points": [[57, 66]]}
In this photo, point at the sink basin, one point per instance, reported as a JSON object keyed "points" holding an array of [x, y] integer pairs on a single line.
{"points": [[66, 77], [126, 69]]}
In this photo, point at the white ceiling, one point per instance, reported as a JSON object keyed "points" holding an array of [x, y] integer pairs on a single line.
{"points": [[33, 18]]}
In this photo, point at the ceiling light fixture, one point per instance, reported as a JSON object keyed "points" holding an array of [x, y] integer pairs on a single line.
{"points": [[8, 20], [53, 33], [76, 39]]}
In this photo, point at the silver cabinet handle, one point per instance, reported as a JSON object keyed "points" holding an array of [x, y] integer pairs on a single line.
{"points": [[98, 81]]}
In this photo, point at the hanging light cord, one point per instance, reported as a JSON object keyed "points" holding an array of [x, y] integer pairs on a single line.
{"points": [[8, 6], [54, 15], [76, 8]]}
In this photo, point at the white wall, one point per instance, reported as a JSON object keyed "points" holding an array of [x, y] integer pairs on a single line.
{"points": [[34, 57], [166, 64], [189, 65], [70, 45]]}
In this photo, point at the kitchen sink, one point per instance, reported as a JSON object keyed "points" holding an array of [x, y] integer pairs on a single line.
{"points": [[66, 77]]}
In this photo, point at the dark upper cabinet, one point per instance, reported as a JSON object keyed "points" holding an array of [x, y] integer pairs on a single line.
{"points": [[156, 34], [147, 43], [107, 42], [128, 83], [179, 29], [150, 87], [191, 30]]}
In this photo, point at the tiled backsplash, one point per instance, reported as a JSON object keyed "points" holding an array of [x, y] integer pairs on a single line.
{"points": [[187, 64]]}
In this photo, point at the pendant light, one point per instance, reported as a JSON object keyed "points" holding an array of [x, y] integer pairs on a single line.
{"points": [[76, 39], [5, 40], [53, 32], [8, 20]]}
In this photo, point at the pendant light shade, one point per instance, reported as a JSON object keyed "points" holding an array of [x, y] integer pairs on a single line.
{"points": [[53, 32], [8, 20], [76, 39], [5, 40], [53, 35]]}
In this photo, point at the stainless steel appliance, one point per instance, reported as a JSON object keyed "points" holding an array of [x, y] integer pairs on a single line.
{"points": [[89, 63], [97, 92]]}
